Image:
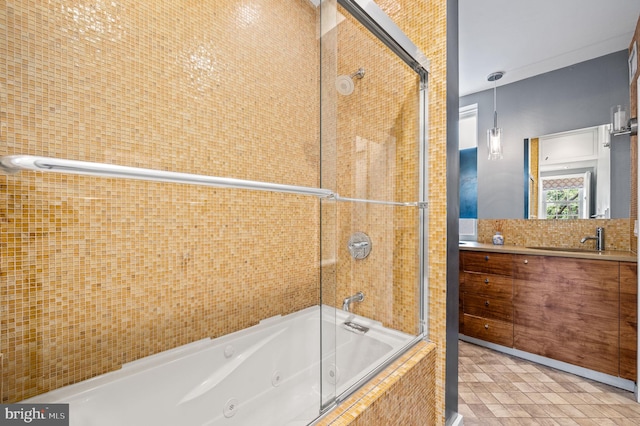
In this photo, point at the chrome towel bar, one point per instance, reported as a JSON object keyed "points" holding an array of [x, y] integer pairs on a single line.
{"points": [[14, 163]]}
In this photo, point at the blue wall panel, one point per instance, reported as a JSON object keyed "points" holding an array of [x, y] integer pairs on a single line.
{"points": [[469, 183]]}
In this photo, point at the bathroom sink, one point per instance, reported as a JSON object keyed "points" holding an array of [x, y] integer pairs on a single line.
{"points": [[572, 250]]}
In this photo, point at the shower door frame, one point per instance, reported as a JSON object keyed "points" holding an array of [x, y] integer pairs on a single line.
{"points": [[375, 20]]}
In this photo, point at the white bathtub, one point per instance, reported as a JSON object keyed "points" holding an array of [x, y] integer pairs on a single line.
{"points": [[264, 375]]}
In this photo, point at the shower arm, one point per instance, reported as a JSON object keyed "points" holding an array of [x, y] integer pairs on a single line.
{"points": [[358, 74]]}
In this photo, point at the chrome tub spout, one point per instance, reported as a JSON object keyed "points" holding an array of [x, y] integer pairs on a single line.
{"points": [[346, 303]]}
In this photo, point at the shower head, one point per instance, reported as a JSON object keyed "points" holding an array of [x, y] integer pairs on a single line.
{"points": [[344, 83]]}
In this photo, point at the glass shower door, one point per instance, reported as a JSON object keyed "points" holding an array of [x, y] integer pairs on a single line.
{"points": [[373, 118]]}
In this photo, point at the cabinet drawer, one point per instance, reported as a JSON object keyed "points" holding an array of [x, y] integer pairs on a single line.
{"points": [[487, 262], [487, 284], [551, 289], [601, 274], [491, 330], [488, 307]]}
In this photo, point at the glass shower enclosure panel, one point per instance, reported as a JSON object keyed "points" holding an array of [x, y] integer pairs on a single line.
{"points": [[373, 118]]}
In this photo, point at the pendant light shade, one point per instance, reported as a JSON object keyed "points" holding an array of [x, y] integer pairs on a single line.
{"points": [[494, 143], [494, 135]]}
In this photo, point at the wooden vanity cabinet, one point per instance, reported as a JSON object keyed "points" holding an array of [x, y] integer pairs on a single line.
{"points": [[486, 293], [628, 320], [568, 309], [580, 311]]}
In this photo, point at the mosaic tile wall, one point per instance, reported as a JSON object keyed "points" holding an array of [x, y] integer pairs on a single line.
{"points": [[425, 23], [100, 272], [555, 233]]}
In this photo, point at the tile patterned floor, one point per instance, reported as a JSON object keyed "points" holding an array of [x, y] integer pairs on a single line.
{"points": [[497, 389]]}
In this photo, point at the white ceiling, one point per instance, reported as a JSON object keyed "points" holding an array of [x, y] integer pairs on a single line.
{"points": [[527, 38]]}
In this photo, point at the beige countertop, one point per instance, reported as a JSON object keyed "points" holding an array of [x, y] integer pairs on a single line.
{"points": [[613, 255]]}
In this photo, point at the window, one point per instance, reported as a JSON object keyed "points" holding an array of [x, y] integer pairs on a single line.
{"points": [[566, 196], [468, 127]]}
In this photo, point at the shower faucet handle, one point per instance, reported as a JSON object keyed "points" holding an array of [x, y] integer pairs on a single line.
{"points": [[359, 245]]}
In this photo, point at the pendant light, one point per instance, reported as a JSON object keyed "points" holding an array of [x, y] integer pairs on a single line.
{"points": [[494, 135]]}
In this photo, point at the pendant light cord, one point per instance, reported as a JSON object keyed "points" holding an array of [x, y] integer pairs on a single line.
{"points": [[495, 76], [495, 106]]}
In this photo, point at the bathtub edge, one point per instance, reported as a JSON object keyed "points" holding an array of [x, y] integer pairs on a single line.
{"points": [[352, 410]]}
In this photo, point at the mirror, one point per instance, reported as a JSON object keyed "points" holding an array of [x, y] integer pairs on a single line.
{"points": [[569, 175], [564, 100]]}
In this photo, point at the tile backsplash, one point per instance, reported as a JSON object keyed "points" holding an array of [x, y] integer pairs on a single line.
{"points": [[556, 233]]}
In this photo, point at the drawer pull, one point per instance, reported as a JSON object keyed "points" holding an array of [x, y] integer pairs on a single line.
{"points": [[486, 258], [486, 280], [486, 303], [486, 326]]}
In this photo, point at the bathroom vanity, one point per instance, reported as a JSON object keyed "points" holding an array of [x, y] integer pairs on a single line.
{"points": [[574, 307]]}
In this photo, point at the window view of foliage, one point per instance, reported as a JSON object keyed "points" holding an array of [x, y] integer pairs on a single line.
{"points": [[563, 203]]}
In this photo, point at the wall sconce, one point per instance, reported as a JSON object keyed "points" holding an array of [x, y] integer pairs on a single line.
{"points": [[494, 135], [619, 123]]}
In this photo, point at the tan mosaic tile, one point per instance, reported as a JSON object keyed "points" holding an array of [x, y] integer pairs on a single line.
{"points": [[99, 272], [555, 233]]}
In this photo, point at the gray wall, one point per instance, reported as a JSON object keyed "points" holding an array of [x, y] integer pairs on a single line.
{"points": [[569, 98], [453, 213]]}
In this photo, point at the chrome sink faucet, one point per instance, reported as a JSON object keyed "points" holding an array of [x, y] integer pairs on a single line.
{"points": [[358, 297], [599, 237]]}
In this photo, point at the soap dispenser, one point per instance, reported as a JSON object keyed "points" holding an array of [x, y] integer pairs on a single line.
{"points": [[498, 239]]}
